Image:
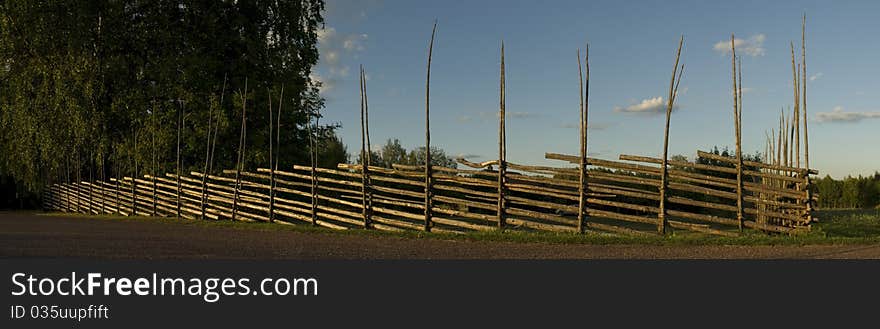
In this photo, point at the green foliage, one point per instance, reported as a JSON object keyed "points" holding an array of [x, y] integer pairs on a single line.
{"points": [[393, 153], [850, 192], [80, 79]]}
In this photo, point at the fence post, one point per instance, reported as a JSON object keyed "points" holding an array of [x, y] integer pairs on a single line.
{"points": [[91, 183], [118, 201], [134, 177], [584, 91], [366, 153], [673, 87], [428, 172], [103, 178], [271, 170], [313, 152], [241, 149], [737, 116], [502, 149]]}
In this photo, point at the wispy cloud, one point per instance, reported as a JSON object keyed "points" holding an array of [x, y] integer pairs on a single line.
{"points": [[468, 156], [333, 48], [494, 115], [839, 115], [753, 46], [816, 76], [520, 115], [590, 126], [656, 105]]}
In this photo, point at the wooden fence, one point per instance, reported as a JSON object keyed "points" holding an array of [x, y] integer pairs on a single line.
{"points": [[621, 197]]}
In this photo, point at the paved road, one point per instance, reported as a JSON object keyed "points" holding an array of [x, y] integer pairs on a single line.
{"points": [[30, 235]]}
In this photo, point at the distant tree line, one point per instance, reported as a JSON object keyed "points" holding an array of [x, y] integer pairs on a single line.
{"points": [[394, 153], [850, 192]]}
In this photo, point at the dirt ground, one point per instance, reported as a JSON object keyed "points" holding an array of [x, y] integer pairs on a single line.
{"points": [[25, 234]]}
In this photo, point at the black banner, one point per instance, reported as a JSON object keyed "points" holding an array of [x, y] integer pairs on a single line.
{"points": [[448, 293]]}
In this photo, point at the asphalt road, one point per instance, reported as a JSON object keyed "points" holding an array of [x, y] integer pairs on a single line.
{"points": [[25, 234]]}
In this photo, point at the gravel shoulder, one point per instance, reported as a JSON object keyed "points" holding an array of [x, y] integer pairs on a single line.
{"points": [[26, 234]]}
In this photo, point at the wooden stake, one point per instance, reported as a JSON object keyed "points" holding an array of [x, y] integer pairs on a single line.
{"points": [[277, 155], [180, 118], [804, 86], [241, 149], [584, 89], [428, 173], [91, 180], [271, 172], [502, 147], [217, 127], [804, 95], [67, 175], [365, 152], [134, 175], [155, 161], [314, 173], [207, 159], [737, 112], [795, 72], [661, 226], [118, 204]]}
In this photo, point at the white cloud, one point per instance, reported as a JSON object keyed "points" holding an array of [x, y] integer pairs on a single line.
{"points": [[468, 156], [753, 46], [656, 105], [838, 115], [334, 49], [354, 42], [816, 76], [326, 84]]}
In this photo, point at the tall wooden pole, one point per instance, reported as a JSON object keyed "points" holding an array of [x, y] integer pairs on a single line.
{"points": [[67, 176], [78, 181], [134, 176], [428, 172], [91, 180], [271, 170], [277, 146], [155, 161], [584, 89], [207, 158], [737, 93], [806, 135], [216, 129], [661, 226], [502, 147], [795, 72], [180, 118], [365, 153], [118, 178], [241, 149], [313, 152], [369, 219], [804, 77]]}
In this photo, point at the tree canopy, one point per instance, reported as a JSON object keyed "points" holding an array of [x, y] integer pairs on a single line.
{"points": [[393, 153], [97, 87]]}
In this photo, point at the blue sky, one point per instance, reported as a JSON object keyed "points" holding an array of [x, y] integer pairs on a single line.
{"points": [[632, 50]]}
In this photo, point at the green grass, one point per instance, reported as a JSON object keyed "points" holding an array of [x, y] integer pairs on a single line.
{"points": [[853, 226]]}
